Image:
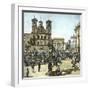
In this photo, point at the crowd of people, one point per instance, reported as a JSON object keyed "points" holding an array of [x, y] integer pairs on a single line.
{"points": [[51, 58]]}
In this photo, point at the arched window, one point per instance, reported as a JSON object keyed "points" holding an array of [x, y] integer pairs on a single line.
{"points": [[38, 36], [41, 37], [44, 37]]}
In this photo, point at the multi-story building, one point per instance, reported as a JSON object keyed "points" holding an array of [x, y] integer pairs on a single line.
{"points": [[73, 43], [40, 35], [77, 33]]}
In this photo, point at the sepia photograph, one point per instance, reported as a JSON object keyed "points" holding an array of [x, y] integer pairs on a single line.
{"points": [[50, 44]]}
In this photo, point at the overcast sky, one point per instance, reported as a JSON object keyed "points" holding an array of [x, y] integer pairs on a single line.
{"points": [[62, 24]]}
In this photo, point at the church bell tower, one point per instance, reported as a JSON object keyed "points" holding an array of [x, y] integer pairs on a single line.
{"points": [[48, 26], [34, 25]]}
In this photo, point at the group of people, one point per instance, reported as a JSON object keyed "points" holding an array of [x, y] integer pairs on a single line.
{"points": [[50, 67], [51, 59], [33, 66]]}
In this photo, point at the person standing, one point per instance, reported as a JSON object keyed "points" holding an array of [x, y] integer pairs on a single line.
{"points": [[39, 66], [58, 72], [27, 73], [49, 66]]}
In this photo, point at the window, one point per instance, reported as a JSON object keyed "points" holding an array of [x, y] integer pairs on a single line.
{"points": [[41, 37], [44, 37], [38, 36]]}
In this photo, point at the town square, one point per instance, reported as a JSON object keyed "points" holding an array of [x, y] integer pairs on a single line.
{"points": [[51, 44]]}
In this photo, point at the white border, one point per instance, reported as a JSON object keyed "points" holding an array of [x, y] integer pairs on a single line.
{"points": [[16, 68]]}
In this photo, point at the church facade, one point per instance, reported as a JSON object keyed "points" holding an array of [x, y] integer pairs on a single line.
{"points": [[40, 35]]}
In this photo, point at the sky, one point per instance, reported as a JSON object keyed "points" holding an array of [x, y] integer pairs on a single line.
{"points": [[63, 25]]}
